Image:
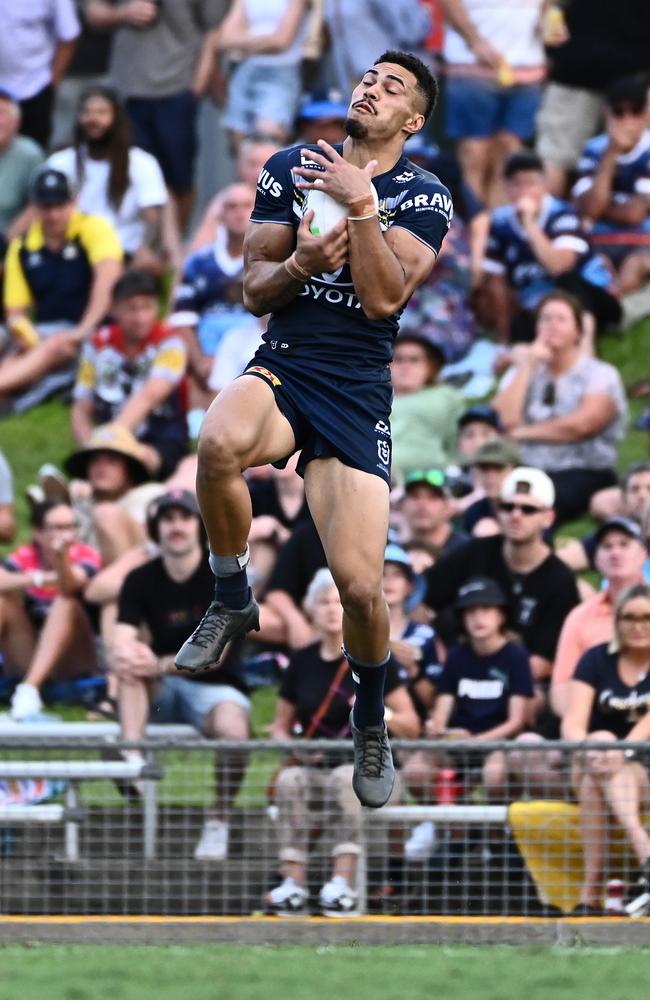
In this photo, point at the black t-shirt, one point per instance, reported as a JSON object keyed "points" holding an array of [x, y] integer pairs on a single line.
{"points": [[305, 685], [325, 323], [483, 685], [265, 501], [476, 512], [617, 707], [606, 42], [540, 600], [298, 561], [171, 611]]}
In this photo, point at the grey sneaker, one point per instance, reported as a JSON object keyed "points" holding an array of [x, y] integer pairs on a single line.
{"points": [[219, 625], [374, 771]]}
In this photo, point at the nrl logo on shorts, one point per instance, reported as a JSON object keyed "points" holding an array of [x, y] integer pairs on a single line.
{"points": [[382, 428], [383, 450], [408, 175]]}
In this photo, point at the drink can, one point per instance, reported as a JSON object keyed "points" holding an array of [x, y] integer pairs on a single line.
{"points": [[448, 786]]}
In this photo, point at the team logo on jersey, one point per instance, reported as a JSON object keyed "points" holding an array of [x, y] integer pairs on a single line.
{"points": [[405, 177], [264, 373], [70, 252], [383, 450], [382, 428]]}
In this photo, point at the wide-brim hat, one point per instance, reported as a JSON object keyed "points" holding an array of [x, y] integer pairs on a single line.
{"points": [[112, 438]]}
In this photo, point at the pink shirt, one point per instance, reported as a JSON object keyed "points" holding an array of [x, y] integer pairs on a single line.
{"points": [[589, 624]]}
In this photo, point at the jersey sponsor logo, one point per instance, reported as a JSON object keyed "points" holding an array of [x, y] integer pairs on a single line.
{"points": [[435, 202], [566, 222], [264, 372], [70, 252], [480, 690], [636, 704], [382, 428], [526, 610], [332, 295], [405, 177], [267, 182], [34, 259]]}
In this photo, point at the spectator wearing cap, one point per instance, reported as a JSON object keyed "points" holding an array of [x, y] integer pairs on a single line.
{"points": [[131, 373], [474, 426], [613, 184], [36, 45], [44, 627], [264, 89], [537, 243], [425, 411], [483, 691], [167, 597], [321, 115], [567, 411], [621, 555], [490, 464], [58, 283], [426, 510], [20, 157], [413, 644], [630, 500], [540, 588]]}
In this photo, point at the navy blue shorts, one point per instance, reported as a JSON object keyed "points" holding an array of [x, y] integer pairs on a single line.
{"points": [[331, 417], [166, 128]]}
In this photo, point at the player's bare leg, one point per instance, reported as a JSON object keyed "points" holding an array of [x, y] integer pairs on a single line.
{"points": [[243, 428], [350, 510]]}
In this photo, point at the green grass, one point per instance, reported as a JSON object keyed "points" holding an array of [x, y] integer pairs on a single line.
{"points": [[235, 972]]}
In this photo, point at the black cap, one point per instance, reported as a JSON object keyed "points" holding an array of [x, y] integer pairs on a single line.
{"points": [[481, 414], [480, 591], [630, 92], [625, 524], [51, 187]]}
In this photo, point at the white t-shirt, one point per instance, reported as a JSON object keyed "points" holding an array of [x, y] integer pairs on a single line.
{"points": [[146, 188], [234, 352], [510, 25]]}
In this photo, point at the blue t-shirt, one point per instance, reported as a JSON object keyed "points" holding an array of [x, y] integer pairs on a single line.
{"points": [[325, 323], [631, 179], [509, 251], [483, 685]]}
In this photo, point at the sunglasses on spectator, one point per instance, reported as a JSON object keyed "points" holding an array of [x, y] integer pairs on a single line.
{"points": [[629, 619], [507, 506]]}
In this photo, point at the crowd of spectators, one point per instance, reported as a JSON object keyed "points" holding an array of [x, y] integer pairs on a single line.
{"points": [[125, 300]]}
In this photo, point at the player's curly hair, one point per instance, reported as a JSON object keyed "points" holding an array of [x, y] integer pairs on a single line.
{"points": [[426, 82]]}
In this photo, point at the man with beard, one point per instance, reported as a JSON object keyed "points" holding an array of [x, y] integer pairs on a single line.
{"points": [[320, 382], [116, 180], [162, 600]]}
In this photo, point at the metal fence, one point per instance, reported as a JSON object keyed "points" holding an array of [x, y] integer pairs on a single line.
{"points": [[87, 827]]}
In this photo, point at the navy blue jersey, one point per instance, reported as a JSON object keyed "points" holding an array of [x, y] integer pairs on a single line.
{"points": [[631, 179], [509, 251], [208, 279], [325, 322], [617, 706], [483, 685]]}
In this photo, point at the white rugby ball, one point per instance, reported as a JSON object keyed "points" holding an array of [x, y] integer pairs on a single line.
{"points": [[327, 211]]}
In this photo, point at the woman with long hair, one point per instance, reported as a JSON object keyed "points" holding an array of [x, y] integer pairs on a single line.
{"points": [[567, 411], [609, 699]]}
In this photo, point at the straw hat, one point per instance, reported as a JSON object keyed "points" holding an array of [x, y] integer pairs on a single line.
{"points": [[112, 438]]}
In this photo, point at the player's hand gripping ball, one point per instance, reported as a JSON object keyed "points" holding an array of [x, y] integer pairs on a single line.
{"points": [[327, 211]]}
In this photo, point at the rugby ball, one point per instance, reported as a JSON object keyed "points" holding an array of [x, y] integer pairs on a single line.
{"points": [[327, 211]]}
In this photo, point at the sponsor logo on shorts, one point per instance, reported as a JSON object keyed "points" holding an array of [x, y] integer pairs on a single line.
{"points": [[382, 428], [265, 373]]}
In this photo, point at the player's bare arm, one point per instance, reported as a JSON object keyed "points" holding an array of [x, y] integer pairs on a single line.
{"points": [[275, 271], [386, 268]]}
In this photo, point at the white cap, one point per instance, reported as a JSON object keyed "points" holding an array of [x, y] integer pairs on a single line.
{"points": [[527, 480]]}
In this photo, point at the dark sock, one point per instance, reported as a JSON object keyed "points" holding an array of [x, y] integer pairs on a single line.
{"points": [[368, 707], [233, 590]]}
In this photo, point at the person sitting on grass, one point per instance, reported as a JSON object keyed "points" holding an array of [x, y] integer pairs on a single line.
{"points": [[44, 627], [132, 373]]}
